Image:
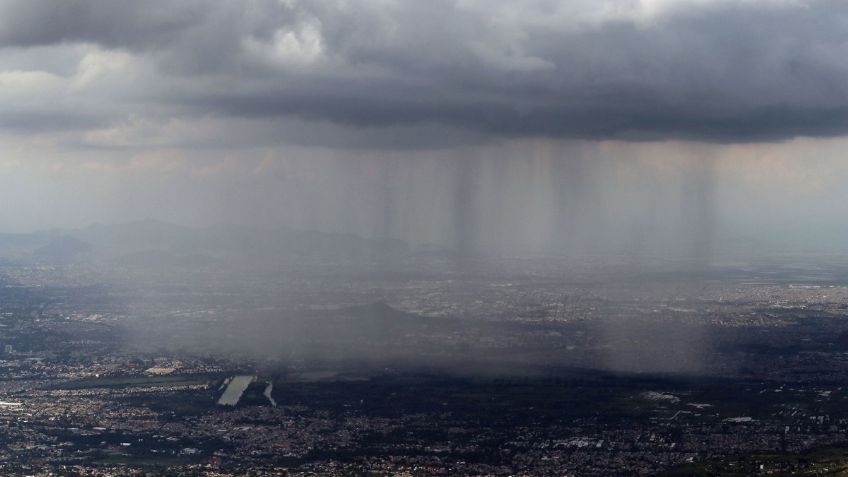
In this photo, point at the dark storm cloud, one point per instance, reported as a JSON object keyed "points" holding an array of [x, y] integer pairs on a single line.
{"points": [[110, 23], [726, 71]]}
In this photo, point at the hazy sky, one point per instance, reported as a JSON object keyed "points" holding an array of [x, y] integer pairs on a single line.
{"points": [[438, 120]]}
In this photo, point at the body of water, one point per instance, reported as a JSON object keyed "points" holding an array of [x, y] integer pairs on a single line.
{"points": [[235, 388]]}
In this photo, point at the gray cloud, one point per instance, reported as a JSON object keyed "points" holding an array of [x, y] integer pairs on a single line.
{"points": [[720, 70], [110, 23]]}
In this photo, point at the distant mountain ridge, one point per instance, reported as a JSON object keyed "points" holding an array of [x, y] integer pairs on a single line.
{"points": [[155, 243], [62, 248]]}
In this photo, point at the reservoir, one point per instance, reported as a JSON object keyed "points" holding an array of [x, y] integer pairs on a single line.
{"points": [[268, 390], [235, 389]]}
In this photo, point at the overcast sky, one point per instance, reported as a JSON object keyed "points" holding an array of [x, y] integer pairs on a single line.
{"points": [[418, 118]]}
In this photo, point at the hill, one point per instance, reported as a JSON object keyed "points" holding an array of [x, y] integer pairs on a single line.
{"points": [[153, 244]]}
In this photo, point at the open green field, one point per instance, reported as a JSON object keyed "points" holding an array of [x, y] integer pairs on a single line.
{"points": [[139, 381]]}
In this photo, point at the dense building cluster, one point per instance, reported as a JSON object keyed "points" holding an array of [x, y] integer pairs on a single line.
{"points": [[472, 375]]}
